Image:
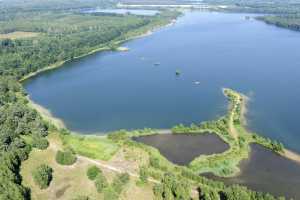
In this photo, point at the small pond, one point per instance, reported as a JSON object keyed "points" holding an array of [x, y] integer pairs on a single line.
{"points": [[181, 149], [266, 171]]}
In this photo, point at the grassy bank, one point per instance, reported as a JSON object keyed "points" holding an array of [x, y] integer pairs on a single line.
{"points": [[94, 147]]}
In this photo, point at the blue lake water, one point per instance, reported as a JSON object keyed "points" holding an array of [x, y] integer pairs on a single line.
{"points": [[113, 90]]}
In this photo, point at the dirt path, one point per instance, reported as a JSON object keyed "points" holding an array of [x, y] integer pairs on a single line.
{"points": [[112, 168], [232, 131], [99, 163]]}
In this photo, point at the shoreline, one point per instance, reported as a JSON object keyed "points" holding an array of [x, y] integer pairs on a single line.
{"points": [[60, 64], [288, 154], [100, 49], [291, 155], [46, 114]]}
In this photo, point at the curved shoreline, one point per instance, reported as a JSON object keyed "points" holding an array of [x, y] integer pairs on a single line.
{"points": [[46, 114], [100, 49], [289, 154]]}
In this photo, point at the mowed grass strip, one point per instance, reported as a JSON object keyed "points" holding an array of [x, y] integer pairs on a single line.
{"points": [[91, 146], [18, 35]]}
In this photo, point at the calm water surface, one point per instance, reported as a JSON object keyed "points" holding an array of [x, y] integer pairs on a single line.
{"points": [[265, 167], [181, 149], [113, 90]]}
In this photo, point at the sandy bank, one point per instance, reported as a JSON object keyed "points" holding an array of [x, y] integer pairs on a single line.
{"points": [[46, 114], [291, 155]]}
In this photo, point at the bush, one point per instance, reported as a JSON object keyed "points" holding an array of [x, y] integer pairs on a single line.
{"points": [[40, 142], [101, 182], [93, 172], [119, 181], [143, 172], [172, 187], [42, 176], [117, 136], [82, 198], [110, 194], [236, 193], [65, 158], [154, 162]]}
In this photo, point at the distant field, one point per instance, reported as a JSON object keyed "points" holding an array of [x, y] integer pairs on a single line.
{"points": [[18, 35]]}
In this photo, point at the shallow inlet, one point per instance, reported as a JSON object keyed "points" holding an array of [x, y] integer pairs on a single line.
{"points": [[266, 171], [181, 149]]}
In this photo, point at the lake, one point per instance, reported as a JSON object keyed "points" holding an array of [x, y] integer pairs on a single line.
{"points": [[265, 167], [113, 90], [181, 149]]}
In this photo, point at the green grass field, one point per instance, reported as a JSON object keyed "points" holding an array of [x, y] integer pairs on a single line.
{"points": [[91, 146]]}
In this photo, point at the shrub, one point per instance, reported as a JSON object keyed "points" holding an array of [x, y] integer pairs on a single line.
{"points": [[65, 158], [110, 194], [143, 174], [172, 187], [82, 198], [42, 176], [93, 172], [158, 191], [236, 193], [40, 142], [119, 181], [154, 162], [100, 182], [124, 178], [117, 136]]}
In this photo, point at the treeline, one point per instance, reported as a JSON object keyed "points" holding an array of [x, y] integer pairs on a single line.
{"points": [[259, 6], [63, 36], [16, 120], [179, 187], [285, 21], [12, 6]]}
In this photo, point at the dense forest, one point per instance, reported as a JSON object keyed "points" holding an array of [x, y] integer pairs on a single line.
{"points": [[62, 36], [260, 6], [16, 120], [285, 21], [31, 5]]}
